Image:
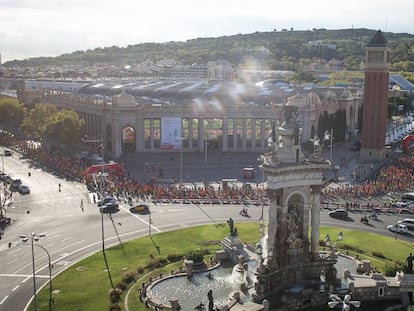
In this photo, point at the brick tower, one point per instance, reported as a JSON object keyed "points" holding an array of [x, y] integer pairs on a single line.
{"points": [[374, 109]]}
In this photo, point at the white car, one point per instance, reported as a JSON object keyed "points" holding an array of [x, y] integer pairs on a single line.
{"points": [[398, 228], [400, 204]]}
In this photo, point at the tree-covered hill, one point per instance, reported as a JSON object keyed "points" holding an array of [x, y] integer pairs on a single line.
{"points": [[281, 50]]}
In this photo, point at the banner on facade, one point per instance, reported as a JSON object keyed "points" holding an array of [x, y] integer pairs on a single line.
{"points": [[170, 133]]}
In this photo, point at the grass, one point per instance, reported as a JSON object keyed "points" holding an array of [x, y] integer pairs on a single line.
{"points": [[85, 285]]}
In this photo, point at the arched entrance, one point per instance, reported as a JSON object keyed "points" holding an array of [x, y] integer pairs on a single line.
{"points": [[407, 142], [128, 139]]}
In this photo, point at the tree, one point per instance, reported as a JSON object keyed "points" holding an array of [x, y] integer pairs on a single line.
{"points": [[12, 112], [34, 124], [65, 126]]}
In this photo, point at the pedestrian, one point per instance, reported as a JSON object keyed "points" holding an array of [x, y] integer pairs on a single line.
{"points": [[60, 187], [81, 205]]}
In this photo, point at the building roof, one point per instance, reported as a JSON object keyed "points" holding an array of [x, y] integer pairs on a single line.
{"points": [[378, 40], [401, 82]]}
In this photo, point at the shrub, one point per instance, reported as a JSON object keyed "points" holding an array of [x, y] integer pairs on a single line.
{"points": [[175, 257], [156, 262], [391, 268], [379, 255], [129, 277], [140, 270], [122, 286], [196, 256]]}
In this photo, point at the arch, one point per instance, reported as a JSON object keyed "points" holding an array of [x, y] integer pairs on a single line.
{"points": [[103, 167], [128, 136], [407, 142], [295, 219]]}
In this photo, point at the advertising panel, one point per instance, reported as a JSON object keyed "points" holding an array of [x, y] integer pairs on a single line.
{"points": [[170, 133]]}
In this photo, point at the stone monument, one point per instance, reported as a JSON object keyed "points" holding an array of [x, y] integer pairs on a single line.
{"points": [[294, 184]]}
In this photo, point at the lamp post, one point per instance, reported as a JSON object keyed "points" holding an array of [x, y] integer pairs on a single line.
{"points": [[2, 162], [101, 192], [205, 150], [33, 237]]}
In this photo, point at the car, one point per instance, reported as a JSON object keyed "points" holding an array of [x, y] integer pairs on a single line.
{"points": [[22, 189], [140, 209], [109, 208], [408, 196], [400, 204], [409, 222], [7, 152], [398, 228], [106, 201], [356, 146], [338, 213], [7, 179]]}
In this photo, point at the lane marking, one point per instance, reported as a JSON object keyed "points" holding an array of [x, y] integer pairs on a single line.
{"points": [[16, 287], [4, 299]]}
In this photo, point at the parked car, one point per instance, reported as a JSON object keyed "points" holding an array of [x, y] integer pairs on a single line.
{"points": [[109, 208], [339, 213], [140, 209], [398, 228], [106, 201], [7, 152], [23, 189]]}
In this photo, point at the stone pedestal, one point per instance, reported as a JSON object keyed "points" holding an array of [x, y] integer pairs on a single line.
{"points": [[407, 289]]}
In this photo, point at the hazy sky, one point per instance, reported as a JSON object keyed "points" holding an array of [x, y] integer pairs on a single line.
{"points": [[31, 28]]}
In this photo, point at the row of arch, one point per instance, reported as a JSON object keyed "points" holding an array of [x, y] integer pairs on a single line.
{"points": [[224, 134]]}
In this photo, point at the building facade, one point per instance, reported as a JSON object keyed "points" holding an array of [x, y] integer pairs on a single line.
{"points": [[207, 115]]}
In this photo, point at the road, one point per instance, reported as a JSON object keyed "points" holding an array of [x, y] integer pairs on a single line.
{"points": [[73, 233]]}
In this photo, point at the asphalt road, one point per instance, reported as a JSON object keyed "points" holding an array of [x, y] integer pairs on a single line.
{"points": [[72, 234]]}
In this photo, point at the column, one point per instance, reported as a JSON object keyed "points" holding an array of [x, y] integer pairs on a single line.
{"points": [[201, 134], [272, 226], [225, 134], [244, 133], [151, 134], [190, 133], [315, 220], [262, 134], [140, 136], [234, 133], [253, 143]]}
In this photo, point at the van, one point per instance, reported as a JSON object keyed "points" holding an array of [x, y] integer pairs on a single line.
{"points": [[409, 222], [409, 196]]}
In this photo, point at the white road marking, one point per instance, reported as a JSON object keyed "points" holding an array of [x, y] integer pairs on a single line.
{"points": [[16, 287], [4, 299]]}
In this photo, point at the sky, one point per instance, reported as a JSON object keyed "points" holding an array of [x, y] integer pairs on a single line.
{"points": [[32, 28]]}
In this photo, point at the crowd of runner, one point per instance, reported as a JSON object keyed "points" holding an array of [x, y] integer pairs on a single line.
{"points": [[396, 177]]}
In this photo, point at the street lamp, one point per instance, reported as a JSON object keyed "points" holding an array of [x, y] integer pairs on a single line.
{"points": [[101, 190], [33, 237], [205, 150]]}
